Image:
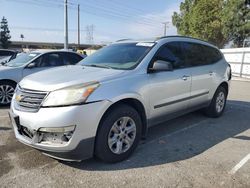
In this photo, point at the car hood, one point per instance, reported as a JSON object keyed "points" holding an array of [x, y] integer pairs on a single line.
{"points": [[57, 78]]}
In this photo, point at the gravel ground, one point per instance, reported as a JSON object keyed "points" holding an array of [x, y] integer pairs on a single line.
{"points": [[190, 151]]}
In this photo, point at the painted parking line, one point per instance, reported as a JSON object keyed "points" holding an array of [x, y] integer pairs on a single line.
{"points": [[240, 164]]}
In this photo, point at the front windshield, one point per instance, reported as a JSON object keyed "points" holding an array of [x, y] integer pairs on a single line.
{"points": [[118, 56], [22, 59]]}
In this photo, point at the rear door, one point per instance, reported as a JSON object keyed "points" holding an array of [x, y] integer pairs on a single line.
{"points": [[200, 60], [169, 91]]}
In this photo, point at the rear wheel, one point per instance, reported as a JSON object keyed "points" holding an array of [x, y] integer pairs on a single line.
{"points": [[119, 134], [7, 90], [218, 103]]}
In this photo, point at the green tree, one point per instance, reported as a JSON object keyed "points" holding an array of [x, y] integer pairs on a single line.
{"points": [[201, 19], [181, 20], [4, 33], [216, 21], [236, 19]]}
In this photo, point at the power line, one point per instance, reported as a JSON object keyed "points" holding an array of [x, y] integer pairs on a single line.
{"points": [[93, 10], [61, 30], [89, 10], [122, 7], [42, 29]]}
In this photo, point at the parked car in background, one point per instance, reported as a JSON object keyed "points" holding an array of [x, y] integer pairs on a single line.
{"points": [[28, 63], [7, 55], [104, 107]]}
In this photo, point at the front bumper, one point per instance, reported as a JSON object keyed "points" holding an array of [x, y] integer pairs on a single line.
{"points": [[85, 117]]}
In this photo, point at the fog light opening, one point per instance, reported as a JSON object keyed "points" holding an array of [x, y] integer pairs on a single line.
{"points": [[61, 135]]}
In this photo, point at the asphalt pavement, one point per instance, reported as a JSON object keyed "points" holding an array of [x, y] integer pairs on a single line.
{"points": [[190, 151]]}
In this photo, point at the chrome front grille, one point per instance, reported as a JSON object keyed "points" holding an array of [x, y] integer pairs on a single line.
{"points": [[28, 100]]}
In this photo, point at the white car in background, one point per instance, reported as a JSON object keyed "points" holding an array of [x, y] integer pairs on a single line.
{"points": [[28, 63]]}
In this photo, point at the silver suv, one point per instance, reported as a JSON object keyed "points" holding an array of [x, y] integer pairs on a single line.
{"points": [[104, 106]]}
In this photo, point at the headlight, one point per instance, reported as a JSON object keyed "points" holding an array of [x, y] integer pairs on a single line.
{"points": [[70, 95]]}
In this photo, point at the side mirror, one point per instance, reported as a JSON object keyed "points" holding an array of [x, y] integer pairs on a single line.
{"points": [[31, 65], [160, 65]]}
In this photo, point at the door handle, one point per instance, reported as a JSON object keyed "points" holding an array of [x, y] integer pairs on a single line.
{"points": [[211, 73], [185, 77]]}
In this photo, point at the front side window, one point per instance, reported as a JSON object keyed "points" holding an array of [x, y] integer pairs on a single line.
{"points": [[118, 56], [22, 59], [171, 52]]}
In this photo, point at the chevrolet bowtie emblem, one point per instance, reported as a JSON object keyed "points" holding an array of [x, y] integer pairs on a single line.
{"points": [[18, 98]]}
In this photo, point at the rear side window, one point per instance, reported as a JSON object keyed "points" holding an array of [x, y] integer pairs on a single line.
{"points": [[198, 54], [71, 58], [51, 60], [171, 52]]}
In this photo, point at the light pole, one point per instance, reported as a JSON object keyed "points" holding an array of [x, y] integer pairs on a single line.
{"points": [[66, 39], [79, 26]]}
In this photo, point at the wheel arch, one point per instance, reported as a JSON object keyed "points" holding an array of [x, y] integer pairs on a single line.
{"points": [[134, 103], [8, 80], [225, 85]]}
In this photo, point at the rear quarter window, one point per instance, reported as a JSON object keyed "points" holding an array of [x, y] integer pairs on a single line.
{"points": [[211, 55], [71, 58]]}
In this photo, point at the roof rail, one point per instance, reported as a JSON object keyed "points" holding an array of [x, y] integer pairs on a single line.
{"points": [[181, 36], [122, 40]]}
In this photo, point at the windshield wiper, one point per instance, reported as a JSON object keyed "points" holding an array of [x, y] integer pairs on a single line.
{"points": [[99, 66]]}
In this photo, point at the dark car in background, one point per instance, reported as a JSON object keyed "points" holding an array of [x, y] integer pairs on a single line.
{"points": [[7, 55]]}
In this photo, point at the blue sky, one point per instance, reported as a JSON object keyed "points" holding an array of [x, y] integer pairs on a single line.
{"points": [[42, 20]]}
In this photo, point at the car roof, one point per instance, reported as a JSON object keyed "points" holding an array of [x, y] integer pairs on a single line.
{"points": [[48, 51], [158, 39]]}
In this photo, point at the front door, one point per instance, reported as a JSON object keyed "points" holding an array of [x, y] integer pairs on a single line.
{"points": [[169, 90], [44, 62]]}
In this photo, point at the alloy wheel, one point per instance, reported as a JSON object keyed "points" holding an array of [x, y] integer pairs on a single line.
{"points": [[220, 102], [122, 135], [6, 94]]}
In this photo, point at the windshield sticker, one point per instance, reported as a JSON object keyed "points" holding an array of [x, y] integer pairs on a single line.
{"points": [[147, 44]]}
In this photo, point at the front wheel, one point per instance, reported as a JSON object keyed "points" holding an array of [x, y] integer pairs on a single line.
{"points": [[218, 103], [119, 134], [7, 90]]}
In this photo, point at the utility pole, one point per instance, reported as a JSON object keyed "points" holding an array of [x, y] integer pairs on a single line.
{"points": [[165, 27], [90, 34], [79, 26], [66, 32]]}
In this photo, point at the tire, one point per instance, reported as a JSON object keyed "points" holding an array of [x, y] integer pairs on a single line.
{"points": [[113, 144], [218, 103], [7, 90]]}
